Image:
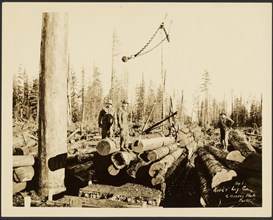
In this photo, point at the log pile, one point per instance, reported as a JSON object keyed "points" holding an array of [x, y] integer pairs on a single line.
{"points": [[23, 171], [224, 178], [156, 162]]}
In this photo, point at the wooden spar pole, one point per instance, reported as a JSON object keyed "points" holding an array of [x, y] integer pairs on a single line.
{"points": [[52, 132]]}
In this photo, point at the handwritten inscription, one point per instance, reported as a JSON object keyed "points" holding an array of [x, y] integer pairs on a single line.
{"points": [[234, 193]]}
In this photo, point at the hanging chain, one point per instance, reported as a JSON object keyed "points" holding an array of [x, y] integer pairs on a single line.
{"points": [[153, 47], [140, 53]]}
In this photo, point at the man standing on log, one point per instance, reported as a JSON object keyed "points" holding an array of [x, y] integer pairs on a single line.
{"points": [[224, 123], [123, 125], [107, 120]]}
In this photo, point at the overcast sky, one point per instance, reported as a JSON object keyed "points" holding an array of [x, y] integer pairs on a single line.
{"points": [[231, 41]]}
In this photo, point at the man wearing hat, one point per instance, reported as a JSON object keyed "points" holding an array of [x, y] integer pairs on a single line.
{"points": [[224, 124], [123, 125], [107, 120]]}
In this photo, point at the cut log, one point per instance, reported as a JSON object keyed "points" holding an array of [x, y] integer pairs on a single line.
{"points": [[184, 129], [198, 135], [17, 187], [33, 137], [107, 146], [23, 174], [218, 171], [183, 139], [23, 160], [151, 135], [235, 156], [250, 134], [161, 178], [81, 167], [122, 158], [161, 167], [161, 152], [142, 145], [73, 133], [135, 166], [112, 170], [224, 156], [239, 142], [207, 197]]}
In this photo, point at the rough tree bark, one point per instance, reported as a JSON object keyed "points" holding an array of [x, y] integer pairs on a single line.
{"points": [[161, 178], [142, 145], [161, 167], [52, 130], [218, 171], [224, 156], [239, 142], [161, 152]]}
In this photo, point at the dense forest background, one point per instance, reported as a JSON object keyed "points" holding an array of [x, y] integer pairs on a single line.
{"points": [[85, 101]]}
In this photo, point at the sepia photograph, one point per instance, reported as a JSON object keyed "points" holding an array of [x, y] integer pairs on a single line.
{"points": [[164, 107]]}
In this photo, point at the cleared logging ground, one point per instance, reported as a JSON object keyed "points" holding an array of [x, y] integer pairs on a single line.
{"points": [[169, 175]]}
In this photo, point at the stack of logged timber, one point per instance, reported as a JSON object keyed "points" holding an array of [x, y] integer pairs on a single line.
{"points": [[150, 160], [229, 178], [23, 171]]}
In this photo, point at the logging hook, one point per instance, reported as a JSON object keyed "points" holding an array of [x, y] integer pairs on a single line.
{"points": [[163, 27]]}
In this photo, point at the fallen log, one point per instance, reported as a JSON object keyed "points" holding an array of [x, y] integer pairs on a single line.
{"points": [[161, 178], [207, 197], [250, 134], [107, 146], [218, 171], [23, 160], [112, 170], [161, 167], [136, 165], [224, 156], [122, 158], [184, 139], [73, 133], [198, 135], [161, 152], [184, 129], [81, 167], [151, 135], [33, 137], [142, 145], [239, 142], [17, 187], [23, 174]]}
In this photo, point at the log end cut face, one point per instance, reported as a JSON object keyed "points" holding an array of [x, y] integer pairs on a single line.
{"points": [[222, 176]]}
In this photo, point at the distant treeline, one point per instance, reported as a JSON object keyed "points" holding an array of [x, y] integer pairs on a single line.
{"points": [[86, 101]]}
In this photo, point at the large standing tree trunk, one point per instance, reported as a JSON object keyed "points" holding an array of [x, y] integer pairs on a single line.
{"points": [[53, 104]]}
